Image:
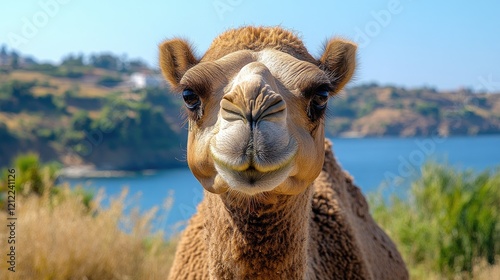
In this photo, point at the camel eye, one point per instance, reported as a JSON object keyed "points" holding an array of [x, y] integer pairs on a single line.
{"points": [[317, 104], [191, 99], [319, 100]]}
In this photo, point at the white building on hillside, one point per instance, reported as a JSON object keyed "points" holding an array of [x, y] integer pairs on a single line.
{"points": [[142, 80]]}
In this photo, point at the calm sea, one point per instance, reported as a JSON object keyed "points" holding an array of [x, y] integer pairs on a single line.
{"points": [[373, 162]]}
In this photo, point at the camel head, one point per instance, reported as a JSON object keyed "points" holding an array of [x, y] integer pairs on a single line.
{"points": [[256, 103]]}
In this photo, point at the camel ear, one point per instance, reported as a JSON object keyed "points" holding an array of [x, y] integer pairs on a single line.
{"points": [[176, 57], [339, 61]]}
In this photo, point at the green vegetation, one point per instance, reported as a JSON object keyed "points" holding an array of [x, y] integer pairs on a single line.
{"points": [[71, 236], [428, 109], [109, 81], [16, 96], [108, 131], [63, 71], [449, 223], [31, 177]]}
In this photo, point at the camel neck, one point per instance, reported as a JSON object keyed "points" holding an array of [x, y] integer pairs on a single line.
{"points": [[257, 239]]}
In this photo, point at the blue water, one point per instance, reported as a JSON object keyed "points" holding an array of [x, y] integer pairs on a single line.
{"points": [[391, 162]]}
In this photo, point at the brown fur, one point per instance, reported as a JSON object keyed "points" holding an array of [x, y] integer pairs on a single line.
{"points": [[300, 230], [256, 39]]}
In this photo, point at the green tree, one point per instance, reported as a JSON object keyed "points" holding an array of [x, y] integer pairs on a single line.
{"points": [[109, 81], [428, 109], [73, 60], [3, 50], [14, 62], [105, 61], [81, 121]]}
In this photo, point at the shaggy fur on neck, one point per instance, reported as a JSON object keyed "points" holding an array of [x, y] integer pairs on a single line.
{"points": [[250, 238]]}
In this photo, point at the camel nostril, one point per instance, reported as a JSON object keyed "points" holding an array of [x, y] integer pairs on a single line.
{"points": [[253, 115], [230, 111], [278, 106], [252, 101]]}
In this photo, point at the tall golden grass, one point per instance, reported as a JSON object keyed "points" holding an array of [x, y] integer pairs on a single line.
{"points": [[60, 237]]}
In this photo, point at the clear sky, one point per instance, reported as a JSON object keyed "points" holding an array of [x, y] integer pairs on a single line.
{"points": [[443, 44]]}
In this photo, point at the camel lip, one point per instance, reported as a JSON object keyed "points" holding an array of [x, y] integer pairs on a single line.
{"points": [[251, 175], [252, 163], [251, 181]]}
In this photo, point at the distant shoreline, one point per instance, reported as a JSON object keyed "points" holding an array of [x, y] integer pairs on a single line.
{"points": [[88, 171], [360, 136]]}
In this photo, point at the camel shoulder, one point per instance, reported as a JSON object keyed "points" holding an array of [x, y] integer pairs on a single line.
{"points": [[343, 229]]}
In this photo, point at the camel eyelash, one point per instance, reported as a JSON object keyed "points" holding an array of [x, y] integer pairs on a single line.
{"points": [[317, 87]]}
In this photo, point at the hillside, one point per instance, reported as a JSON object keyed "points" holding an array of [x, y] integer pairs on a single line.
{"points": [[87, 115], [94, 113], [372, 110]]}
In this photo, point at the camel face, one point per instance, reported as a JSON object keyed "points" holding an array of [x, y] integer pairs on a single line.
{"points": [[256, 113]]}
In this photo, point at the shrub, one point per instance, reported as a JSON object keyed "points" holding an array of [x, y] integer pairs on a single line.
{"points": [[428, 109], [342, 108], [31, 177], [109, 81], [43, 67], [449, 223], [68, 73], [64, 71], [44, 133]]}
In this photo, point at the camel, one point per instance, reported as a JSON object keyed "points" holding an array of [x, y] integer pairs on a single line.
{"points": [[276, 203]]}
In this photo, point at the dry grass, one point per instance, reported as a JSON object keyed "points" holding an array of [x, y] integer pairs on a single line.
{"points": [[8, 120], [20, 122], [481, 272], [87, 89], [60, 238], [27, 76], [487, 272]]}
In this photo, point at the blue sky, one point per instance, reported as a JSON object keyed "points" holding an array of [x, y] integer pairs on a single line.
{"points": [[445, 44]]}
